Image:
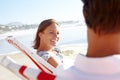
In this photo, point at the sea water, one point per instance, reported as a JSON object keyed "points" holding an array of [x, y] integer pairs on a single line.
{"points": [[68, 35]]}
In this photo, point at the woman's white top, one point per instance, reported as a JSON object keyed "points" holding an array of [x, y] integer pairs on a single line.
{"points": [[46, 55]]}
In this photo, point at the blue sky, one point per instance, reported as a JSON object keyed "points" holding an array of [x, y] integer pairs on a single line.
{"points": [[34, 11]]}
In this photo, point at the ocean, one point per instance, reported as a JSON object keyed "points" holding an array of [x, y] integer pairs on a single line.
{"points": [[69, 34]]}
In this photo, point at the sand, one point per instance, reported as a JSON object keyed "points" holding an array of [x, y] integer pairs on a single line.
{"points": [[20, 58], [69, 50]]}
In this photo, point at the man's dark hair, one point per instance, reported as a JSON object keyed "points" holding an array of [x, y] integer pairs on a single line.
{"points": [[103, 16]]}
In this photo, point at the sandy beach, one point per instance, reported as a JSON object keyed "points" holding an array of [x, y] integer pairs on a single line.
{"points": [[70, 51], [20, 58]]}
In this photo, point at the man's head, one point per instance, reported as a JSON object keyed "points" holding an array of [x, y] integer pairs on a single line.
{"points": [[102, 16]]}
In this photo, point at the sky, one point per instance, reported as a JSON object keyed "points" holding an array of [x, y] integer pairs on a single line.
{"points": [[34, 11]]}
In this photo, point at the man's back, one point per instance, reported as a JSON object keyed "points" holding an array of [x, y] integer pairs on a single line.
{"points": [[107, 68]]}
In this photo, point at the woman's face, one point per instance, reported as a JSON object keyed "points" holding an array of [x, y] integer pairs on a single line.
{"points": [[50, 36]]}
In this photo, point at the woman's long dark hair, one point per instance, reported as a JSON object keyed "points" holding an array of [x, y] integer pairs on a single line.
{"points": [[42, 26]]}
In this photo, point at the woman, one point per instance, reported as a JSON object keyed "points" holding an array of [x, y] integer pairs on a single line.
{"points": [[45, 41]]}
